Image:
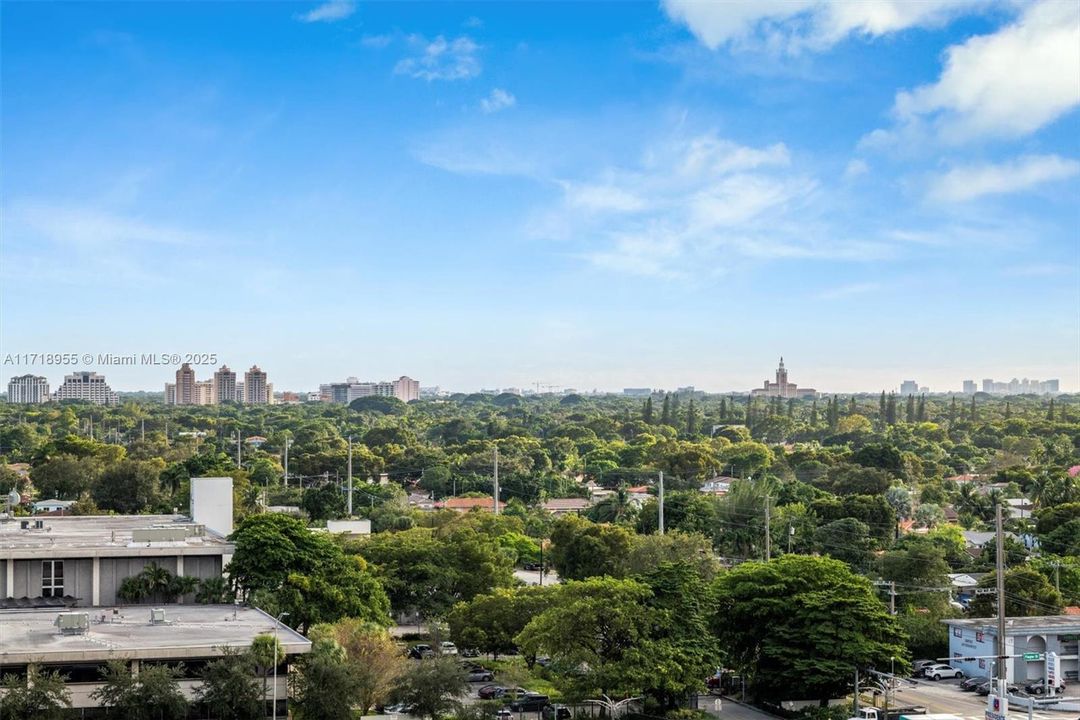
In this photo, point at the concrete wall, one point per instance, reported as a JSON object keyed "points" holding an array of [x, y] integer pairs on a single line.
{"points": [[212, 503], [79, 575]]}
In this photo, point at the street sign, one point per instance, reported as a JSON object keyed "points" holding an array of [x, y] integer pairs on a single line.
{"points": [[1032, 657]]}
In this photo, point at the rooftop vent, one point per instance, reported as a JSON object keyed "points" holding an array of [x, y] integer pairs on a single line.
{"points": [[159, 534], [73, 623]]}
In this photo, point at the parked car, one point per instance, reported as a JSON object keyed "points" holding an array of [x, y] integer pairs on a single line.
{"points": [[556, 712], [494, 692], [530, 702], [941, 670], [448, 648], [479, 674], [420, 651], [469, 652], [534, 567], [987, 686], [919, 666], [1038, 687], [399, 709], [503, 714], [973, 682]]}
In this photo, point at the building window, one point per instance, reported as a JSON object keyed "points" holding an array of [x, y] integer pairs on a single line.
{"points": [[52, 578]]}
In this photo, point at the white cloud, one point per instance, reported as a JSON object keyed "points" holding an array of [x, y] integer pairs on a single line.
{"points": [[376, 41], [1006, 84], [441, 59], [972, 181], [856, 168], [331, 11], [499, 99], [795, 25]]}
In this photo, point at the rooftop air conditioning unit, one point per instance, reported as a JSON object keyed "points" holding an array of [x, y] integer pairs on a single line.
{"points": [[24, 524], [157, 617], [39, 524], [73, 623]]}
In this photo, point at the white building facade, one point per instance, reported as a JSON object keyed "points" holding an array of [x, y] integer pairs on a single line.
{"points": [[28, 389]]}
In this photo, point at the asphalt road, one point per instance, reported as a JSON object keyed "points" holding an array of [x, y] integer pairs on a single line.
{"points": [[945, 696]]}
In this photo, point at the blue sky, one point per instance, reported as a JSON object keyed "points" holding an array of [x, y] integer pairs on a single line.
{"points": [[586, 195]]}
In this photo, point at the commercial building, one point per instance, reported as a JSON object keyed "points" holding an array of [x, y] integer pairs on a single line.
{"points": [[1020, 387], [637, 392], [782, 388], [87, 386], [80, 645], [255, 388], [972, 645], [80, 561], [970, 388], [404, 389], [909, 387], [28, 389]]}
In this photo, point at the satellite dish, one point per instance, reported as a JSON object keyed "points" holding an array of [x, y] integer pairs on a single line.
{"points": [[14, 498]]}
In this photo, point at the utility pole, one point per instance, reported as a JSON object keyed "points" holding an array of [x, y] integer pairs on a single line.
{"points": [[855, 702], [768, 534], [790, 536], [238, 464], [350, 476], [1002, 669], [892, 597], [660, 524], [496, 479], [286, 461], [142, 429]]}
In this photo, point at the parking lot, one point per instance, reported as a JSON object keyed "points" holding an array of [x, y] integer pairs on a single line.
{"points": [[945, 696]]}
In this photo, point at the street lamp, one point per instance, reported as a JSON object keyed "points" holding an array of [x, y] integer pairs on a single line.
{"points": [[277, 624]]}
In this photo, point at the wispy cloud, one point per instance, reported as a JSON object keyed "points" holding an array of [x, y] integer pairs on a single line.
{"points": [[441, 59], [794, 26], [973, 181], [856, 168], [376, 41], [329, 12], [499, 99], [1040, 270], [1006, 84]]}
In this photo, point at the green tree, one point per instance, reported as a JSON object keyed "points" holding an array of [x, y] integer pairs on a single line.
{"points": [[129, 487], [230, 689], [323, 686], [581, 549], [153, 695], [65, 477], [1027, 593], [596, 630], [326, 502], [373, 660], [38, 696], [799, 625], [306, 573], [433, 686], [490, 623]]}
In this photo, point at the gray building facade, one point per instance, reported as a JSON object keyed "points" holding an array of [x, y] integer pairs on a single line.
{"points": [[81, 561]]}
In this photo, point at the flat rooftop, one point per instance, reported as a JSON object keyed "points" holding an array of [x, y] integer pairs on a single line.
{"points": [[104, 535], [1050, 623], [190, 631]]}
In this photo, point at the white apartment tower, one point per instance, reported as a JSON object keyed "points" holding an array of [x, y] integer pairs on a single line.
{"points": [[88, 386], [28, 389]]}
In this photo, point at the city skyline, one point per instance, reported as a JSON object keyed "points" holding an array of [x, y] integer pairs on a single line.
{"points": [[451, 188], [352, 387]]}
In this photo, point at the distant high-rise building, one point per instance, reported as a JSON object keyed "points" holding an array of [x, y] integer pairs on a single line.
{"points": [[28, 389], [909, 387], [970, 387], [204, 393], [255, 386], [987, 385], [225, 385], [406, 389], [170, 393], [783, 388], [88, 386], [1025, 386], [185, 385], [637, 392]]}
